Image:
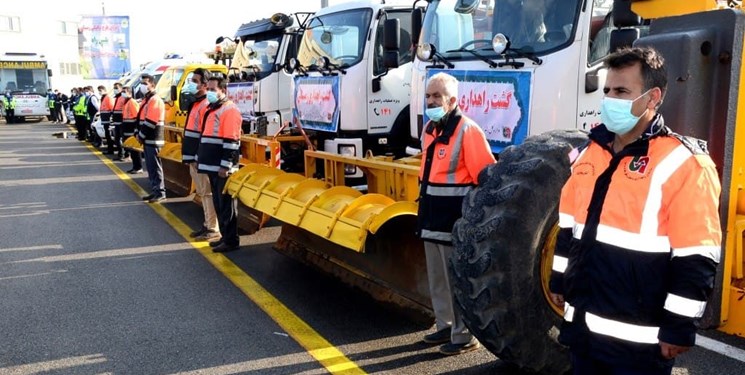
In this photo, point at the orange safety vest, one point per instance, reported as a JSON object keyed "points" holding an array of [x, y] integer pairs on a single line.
{"points": [[219, 146], [193, 130], [116, 113], [152, 120], [129, 116], [453, 158], [105, 108], [638, 244]]}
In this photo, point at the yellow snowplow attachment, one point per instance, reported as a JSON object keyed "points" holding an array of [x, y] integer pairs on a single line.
{"points": [[338, 214], [132, 144]]}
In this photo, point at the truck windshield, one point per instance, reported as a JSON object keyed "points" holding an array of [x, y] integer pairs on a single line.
{"points": [[257, 56], [339, 36], [536, 26], [17, 78]]}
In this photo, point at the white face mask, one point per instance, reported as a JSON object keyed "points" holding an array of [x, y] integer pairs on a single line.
{"points": [[143, 89]]}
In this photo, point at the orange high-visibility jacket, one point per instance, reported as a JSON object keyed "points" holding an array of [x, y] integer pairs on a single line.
{"points": [[638, 245], [129, 116], [105, 108], [219, 146], [453, 158], [116, 113], [193, 129], [152, 120]]}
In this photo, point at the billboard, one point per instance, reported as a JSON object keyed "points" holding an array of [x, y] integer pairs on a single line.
{"points": [[103, 44]]}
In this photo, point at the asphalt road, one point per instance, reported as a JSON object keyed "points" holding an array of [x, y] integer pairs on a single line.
{"points": [[94, 281]]}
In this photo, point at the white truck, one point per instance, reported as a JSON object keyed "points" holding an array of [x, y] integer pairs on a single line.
{"points": [[352, 79], [259, 84], [525, 67]]}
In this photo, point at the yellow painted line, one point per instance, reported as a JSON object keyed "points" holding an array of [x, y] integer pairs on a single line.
{"points": [[323, 351]]}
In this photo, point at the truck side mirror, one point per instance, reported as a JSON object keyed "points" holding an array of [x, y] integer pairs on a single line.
{"points": [[417, 15], [466, 6], [174, 93], [391, 34], [391, 59], [623, 16]]}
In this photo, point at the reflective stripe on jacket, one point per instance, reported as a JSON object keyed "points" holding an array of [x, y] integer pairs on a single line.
{"points": [[453, 158], [130, 110], [219, 146], [638, 245], [107, 105], [151, 120], [193, 129]]}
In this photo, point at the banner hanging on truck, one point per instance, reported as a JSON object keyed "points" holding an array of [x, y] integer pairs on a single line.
{"points": [[242, 94], [317, 102], [103, 45], [498, 101]]}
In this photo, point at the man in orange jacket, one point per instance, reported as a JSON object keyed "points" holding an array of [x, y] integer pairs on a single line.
{"points": [[639, 235], [218, 156], [151, 134], [455, 151]]}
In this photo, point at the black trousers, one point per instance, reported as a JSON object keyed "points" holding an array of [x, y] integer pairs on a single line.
{"points": [[227, 210], [584, 365], [119, 140], [81, 124]]}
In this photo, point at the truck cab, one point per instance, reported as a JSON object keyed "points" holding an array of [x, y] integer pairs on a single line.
{"points": [[259, 84], [352, 79], [525, 67]]}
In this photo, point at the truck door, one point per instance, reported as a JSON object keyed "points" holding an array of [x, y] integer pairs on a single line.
{"points": [[390, 94]]}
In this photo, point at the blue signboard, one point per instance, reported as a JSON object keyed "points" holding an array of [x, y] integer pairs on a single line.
{"points": [[317, 103], [103, 43], [498, 101]]}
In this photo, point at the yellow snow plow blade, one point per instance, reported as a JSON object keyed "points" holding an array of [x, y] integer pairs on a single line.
{"points": [[132, 144], [338, 214]]}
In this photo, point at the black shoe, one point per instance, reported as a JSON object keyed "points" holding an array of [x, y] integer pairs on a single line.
{"points": [[157, 199], [225, 248], [198, 233], [216, 243], [440, 337], [455, 349], [148, 197], [135, 171]]}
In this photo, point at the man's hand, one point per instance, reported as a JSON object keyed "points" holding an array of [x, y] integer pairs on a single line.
{"points": [[670, 351], [557, 299], [223, 172]]}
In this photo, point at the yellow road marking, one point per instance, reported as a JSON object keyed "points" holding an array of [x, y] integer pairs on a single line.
{"points": [[323, 351]]}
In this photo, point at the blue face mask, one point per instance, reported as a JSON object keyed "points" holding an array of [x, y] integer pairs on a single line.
{"points": [[190, 88], [435, 114], [616, 114], [211, 96]]}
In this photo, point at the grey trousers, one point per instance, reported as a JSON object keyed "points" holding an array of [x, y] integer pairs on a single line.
{"points": [[154, 171], [446, 314]]}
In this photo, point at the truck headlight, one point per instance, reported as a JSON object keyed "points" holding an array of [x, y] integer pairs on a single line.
{"points": [[425, 51]]}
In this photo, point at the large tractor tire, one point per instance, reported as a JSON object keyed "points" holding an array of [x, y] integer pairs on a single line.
{"points": [[503, 253]]}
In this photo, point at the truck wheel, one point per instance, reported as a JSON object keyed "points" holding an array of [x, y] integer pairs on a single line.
{"points": [[503, 252]]}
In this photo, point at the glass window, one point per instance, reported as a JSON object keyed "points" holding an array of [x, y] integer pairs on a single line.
{"points": [[10, 23], [256, 56], [600, 30], [338, 36], [67, 28], [404, 47], [538, 26]]}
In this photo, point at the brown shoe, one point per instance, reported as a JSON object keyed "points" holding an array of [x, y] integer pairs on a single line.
{"points": [[208, 235]]}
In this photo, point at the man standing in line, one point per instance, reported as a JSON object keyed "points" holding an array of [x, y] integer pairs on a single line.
{"points": [[218, 155], [80, 112], [58, 112], [639, 235], [190, 148], [107, 107], [130, 111], [92, 105], [116, 123], [51, 98], [456, 150], [151, 134]]}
